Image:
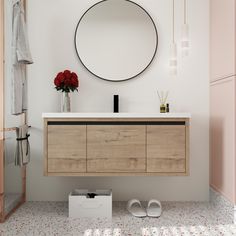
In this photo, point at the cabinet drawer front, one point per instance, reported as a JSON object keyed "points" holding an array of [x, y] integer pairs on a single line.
{"points": [[66, 165], [116, 148], [166, 148], [66, 148]]}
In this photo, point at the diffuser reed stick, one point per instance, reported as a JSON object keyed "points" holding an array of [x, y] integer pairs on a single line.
{"points": [[163, 96], [167, 93], [159, 96]]}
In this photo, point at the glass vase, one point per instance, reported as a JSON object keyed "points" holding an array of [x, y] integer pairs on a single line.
{"points": [[65, 102]]}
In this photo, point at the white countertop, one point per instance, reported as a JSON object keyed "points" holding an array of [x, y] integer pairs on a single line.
{"points": [[116, 115]]}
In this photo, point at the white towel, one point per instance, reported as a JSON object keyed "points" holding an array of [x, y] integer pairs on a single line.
{"points": [[22, 155], [21, 56]]}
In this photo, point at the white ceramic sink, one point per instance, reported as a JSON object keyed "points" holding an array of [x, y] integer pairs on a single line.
{"points": [[116, 115]]}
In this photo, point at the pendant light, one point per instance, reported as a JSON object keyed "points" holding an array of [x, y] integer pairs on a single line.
{"points": [[185, 33], [173, 49]]}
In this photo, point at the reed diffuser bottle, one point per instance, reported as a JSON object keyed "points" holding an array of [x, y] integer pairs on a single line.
{"points": [[163, 98]]}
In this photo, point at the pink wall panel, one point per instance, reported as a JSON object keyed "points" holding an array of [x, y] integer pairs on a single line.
{"points": [[1, 181], [222, 137], [222, 38]]}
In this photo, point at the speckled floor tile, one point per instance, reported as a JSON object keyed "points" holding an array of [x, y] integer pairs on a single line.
{"points": [[178, 218]]}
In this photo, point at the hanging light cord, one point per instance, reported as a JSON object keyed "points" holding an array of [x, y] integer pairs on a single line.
{"points": [[173, 33], [185, 11]]}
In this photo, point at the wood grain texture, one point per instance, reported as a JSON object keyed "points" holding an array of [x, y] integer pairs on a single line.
{"points": [[116, 148], [166, 148], [122, 150], [23, 176], [66, 165], [45, 146], [187, 148], [116, 174], [66, 148]]}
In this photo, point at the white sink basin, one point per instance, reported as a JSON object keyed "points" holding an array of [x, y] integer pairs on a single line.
{"points": [[115, 115]]}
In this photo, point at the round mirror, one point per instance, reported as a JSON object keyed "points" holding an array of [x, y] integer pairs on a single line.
{"points": [[116, 40]]}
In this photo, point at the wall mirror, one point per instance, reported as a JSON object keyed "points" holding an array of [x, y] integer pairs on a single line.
{"points": [[116, 40]]}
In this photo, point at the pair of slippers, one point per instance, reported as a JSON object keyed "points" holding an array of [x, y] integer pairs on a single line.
{"points": [[153, 209]]}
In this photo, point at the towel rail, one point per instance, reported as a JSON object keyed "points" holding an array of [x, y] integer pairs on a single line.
{"points": [[10, 129]]}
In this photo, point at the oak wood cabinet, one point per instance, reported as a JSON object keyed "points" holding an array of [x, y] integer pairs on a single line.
{"points": [[66, 148], [116, 147], [166, 148]]}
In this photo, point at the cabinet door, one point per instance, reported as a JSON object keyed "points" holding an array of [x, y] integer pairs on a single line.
{"points": [[222, 137], [66, 148], [116, 148], [166, 148], [222, 36]]}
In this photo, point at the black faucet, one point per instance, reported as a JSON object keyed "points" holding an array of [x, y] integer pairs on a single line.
{"points": [[116, 104]]}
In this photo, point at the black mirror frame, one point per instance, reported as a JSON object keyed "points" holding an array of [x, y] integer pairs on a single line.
{"points": [[110, 80]]}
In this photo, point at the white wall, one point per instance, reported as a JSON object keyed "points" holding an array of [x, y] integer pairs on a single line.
{"points": [[51, 26]]}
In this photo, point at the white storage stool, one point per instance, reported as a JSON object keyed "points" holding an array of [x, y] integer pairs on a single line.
{"points": [[86, 203]]}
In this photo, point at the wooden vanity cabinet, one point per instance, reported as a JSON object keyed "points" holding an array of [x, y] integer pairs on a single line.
{"points": [[166, 148], [66, 148], [116, 148], [108, 147]]}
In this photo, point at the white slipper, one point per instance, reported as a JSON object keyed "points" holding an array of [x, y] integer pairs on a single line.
{"points": [[135, 208], [154, 208]]}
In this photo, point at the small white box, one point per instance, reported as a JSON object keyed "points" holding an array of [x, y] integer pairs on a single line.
{"points": [[86, 203]]}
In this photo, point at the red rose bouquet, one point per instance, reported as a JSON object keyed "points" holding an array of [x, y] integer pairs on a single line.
{"points": [[66, 81]]}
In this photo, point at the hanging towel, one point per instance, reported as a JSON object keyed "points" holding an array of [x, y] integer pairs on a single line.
{"points": [[22, 155], [21, 56]]}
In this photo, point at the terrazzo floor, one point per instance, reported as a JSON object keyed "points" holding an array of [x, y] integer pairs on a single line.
{"points": [[178, 218], [11, 200]]}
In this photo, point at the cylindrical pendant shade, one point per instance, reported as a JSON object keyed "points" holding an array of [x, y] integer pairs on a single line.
{"points": [[173, 59], [185, 40]]}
